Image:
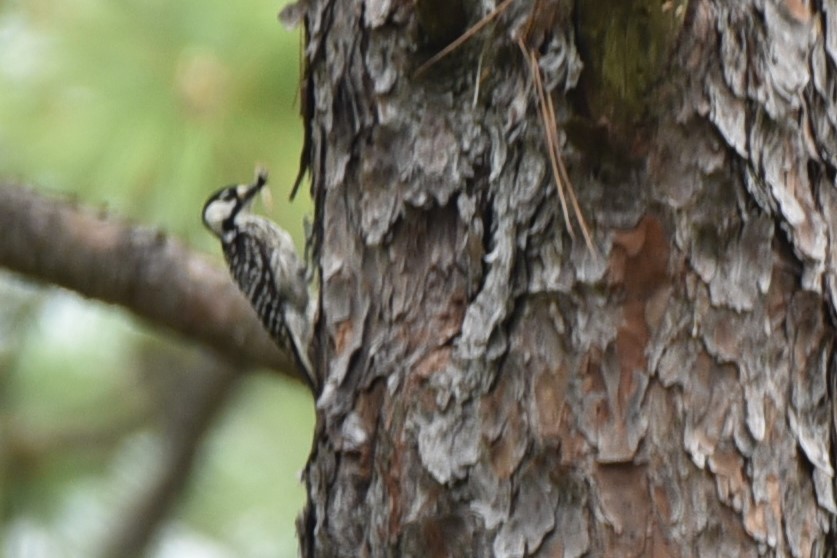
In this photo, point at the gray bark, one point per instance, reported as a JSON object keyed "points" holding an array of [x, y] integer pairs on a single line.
{"points": [[495, 388]]}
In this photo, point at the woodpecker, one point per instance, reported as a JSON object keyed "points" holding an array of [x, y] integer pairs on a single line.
{"points": [[265, 265]]}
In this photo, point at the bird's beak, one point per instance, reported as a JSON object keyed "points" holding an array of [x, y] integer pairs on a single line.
{"points": [[250, 190]]}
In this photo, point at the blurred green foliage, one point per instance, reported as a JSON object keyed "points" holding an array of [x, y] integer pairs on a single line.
{"points": [[142, 108], [146, 106]]}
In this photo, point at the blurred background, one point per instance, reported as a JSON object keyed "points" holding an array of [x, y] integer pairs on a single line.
{"points": [[142, 108]]}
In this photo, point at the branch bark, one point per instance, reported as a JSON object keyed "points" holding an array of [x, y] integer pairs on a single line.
{"points": [[139, 268]]}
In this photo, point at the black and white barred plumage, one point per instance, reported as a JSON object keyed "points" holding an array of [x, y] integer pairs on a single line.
{"points": [[264, 263]]}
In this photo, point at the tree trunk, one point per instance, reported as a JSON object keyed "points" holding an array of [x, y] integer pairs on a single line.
{"points": [[495, 386]]}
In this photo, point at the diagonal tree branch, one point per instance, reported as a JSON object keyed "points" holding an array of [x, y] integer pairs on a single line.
{"points": [[152, 275], [209, 387]]}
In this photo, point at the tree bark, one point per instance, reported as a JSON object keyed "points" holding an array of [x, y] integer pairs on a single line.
{"points": [[495, 387]]}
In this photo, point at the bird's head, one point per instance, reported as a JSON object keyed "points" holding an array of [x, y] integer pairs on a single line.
{"points": [[222, 208]]}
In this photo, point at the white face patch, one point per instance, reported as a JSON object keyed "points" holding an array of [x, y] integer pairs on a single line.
{"points": [[216, 213]]}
